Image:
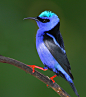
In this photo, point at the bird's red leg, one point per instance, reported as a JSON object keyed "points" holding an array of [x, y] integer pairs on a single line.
{"points": [[53, 78], [34, 66]]}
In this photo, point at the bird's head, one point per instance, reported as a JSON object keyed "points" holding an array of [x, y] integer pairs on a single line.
{"points": [[46, 20]]}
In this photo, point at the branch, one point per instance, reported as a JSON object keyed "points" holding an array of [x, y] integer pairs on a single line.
{"points": [[36, 74]]}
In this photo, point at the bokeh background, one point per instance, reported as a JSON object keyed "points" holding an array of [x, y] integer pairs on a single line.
{"points": [[17, 40]]}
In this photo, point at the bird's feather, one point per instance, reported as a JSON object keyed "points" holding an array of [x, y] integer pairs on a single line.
{"points": [[57, 50]]}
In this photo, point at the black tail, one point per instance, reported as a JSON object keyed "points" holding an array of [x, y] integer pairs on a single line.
{"points": [[74, 89], [71, 84]]}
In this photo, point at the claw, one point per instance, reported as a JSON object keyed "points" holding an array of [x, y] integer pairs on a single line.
{"points": [[52, 78], [34, 66]]}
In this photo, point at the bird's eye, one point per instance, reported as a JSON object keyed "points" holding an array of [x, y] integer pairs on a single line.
{"points": [[45, 20]]}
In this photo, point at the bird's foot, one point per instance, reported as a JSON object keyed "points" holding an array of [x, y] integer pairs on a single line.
{"points": [[52, 78], [34, 66]]}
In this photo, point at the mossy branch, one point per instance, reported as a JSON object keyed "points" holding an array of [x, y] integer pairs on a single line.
{"points": [[36, 74]]}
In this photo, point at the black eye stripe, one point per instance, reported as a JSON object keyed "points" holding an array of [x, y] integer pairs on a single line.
{"points": [[43, 20]]}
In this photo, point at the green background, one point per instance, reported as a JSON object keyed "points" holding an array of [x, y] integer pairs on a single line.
{"points": [[17, 40]]}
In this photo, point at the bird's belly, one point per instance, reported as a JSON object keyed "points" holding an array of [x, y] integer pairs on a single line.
{"points": [[45, 56]]}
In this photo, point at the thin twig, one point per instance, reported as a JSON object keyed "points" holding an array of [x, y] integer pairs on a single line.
{"points": [[37, 74]]}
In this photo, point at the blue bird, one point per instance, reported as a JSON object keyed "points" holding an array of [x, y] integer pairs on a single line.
{"points": [[50, 47]]}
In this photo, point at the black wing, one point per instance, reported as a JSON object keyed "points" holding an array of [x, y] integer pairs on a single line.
{"points": [[56, 51]]}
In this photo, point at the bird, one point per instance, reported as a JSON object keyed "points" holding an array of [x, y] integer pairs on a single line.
{"points": [[50, 47]]}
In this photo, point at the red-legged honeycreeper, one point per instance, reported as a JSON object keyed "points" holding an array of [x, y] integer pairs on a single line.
{"points": [[50, 47]]}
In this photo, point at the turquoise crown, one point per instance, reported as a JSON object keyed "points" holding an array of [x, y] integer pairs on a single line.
{"points": [[47, 14]]}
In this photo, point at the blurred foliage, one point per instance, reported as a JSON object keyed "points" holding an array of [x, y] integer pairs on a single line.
{"points": [[17, 40]]}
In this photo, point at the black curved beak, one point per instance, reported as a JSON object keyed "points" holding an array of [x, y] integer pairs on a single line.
{"points": [[33, 18]]}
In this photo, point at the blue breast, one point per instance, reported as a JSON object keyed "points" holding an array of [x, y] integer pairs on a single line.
{"points": [[44, 53]]}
